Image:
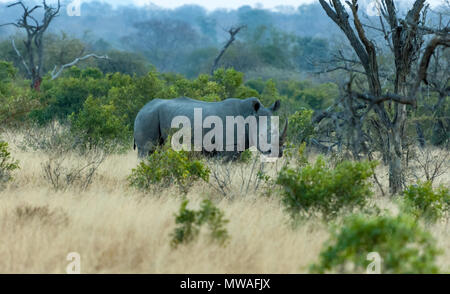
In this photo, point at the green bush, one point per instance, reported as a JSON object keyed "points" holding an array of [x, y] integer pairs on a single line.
{"points": [[270, 93], [246, 156], [16, 99], [422, 201], [296, 153], [201, 88], [7, 164], [131, 94], [223, 84], [96, 126], [190, 222], [402, 245], [7, 74], [165, 167], [301, 129], [230, 79], [318, 189], [67, 94]]}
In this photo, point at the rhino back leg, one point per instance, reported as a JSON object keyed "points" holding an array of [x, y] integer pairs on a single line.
{"points": [[147, 134]]}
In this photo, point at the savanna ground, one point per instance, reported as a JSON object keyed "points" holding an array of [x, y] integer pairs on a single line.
{"points": [[117, 229]]}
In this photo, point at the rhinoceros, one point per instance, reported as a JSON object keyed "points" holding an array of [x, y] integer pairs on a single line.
{"points": [[155, 120]]}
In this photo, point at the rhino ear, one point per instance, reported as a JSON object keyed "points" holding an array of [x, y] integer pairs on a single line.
{"points": [[275, 106], [256, 105]]}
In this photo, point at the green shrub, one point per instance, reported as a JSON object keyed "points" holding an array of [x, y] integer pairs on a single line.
{"points": [[301, 129], [15, 108], [230, 79], [223, 84], [270, 93], [7, 164], [422, 201], [402, 245], [190, 223], [96, 126], [16, 100], [202, 88], [246, 156], [130, 95], [296, 153], [7, 74], [67, 94], [165, 167], [316, 188]]}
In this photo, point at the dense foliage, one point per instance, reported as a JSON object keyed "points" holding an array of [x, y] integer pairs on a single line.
{"points": [[96, 126], [100, 108], [403, 246], [16, 99], [421, 200], [316, 188]]}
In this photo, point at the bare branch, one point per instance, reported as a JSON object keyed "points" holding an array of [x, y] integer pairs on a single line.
{"points": [[8, 24], [385, 97], [429, 50], [55, 74], [20, 56], [233, 31]]}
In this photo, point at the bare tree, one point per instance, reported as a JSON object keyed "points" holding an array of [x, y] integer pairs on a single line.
{"points": [[405, 37], [233, 31], [428, 163], [34, 45]]}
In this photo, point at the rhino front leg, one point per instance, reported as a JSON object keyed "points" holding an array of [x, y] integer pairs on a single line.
{"points": [[147, 149], [143, 152]]}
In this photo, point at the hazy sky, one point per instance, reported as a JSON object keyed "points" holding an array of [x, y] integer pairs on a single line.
{"points": [[213, 4]]}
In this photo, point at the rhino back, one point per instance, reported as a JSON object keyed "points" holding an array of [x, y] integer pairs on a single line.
{"points": [[185, 107], [157, 115]]}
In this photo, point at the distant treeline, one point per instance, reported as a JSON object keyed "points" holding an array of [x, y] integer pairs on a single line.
{"points": [[187, 39]]}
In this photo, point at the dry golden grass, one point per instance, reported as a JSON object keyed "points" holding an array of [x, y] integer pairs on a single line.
{"points": [[119, 230]]}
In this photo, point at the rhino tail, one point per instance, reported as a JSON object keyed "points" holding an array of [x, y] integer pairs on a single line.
{"points": [[134, 144]]}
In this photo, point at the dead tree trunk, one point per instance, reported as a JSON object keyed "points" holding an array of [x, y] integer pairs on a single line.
{"points": [[34, 45], [233, 32], [33, 61]]}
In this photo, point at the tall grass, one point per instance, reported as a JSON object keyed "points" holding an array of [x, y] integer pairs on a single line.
{"points": [[117, 229]]}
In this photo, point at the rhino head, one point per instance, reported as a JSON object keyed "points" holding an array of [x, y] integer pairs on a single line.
{"points": [[265, 118]]}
